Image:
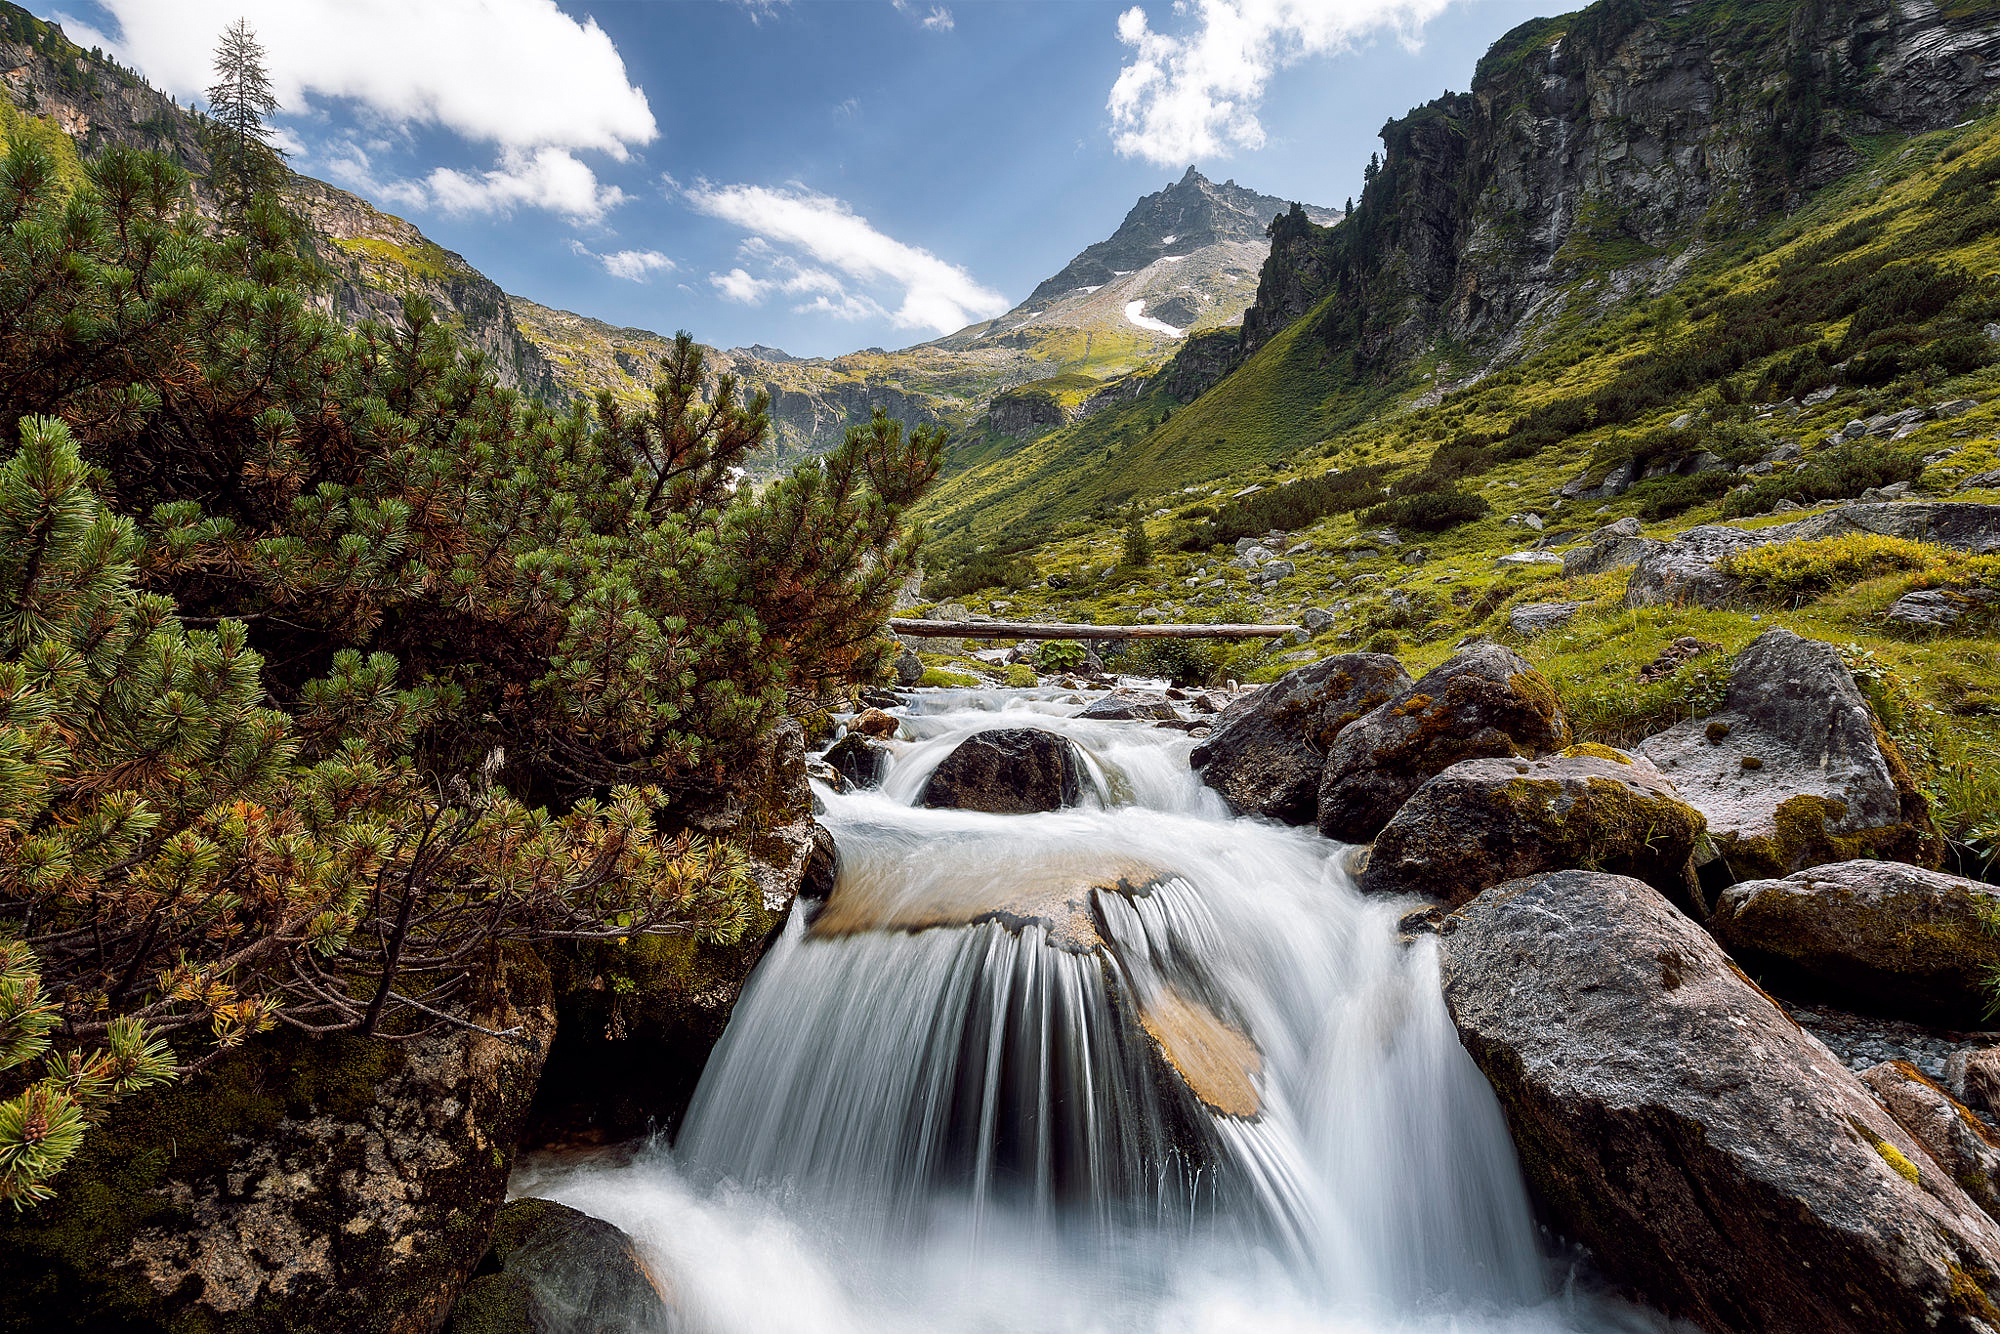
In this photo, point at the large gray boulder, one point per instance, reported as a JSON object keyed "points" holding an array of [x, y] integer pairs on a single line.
{"points": [[1874, 936], [557, 1270], [1131, 706], [1265, 758], [1688, 569], [1481, 702], [1955, 1139], [1718, 1162], [1793, 770], [1957, 524], [1482, 822], [1008, 771]]}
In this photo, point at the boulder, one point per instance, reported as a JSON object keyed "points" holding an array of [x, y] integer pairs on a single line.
{"points": [[1482, 822], [299, 1183], [1124, 706], [1687, 569], [909, 668], [556, 1270], [1940, 608], [1793, 770], [1718, 1162], [1539, 617], [1483, 701], [1265, 758], [858, 760], [1958, 524], [1874, 936], [1955, 1139], [1007, 771], [873, 723], [1973, 1075], [1611, 553]]}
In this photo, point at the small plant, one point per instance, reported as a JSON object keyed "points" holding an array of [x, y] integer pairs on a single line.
{"points": [[1061, 655]]}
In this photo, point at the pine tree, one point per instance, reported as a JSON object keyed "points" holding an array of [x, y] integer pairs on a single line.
{"points": [[243, 159], [1138, 547]]}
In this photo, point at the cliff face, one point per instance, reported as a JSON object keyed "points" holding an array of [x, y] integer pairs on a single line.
{"points": [[1600, 144]]}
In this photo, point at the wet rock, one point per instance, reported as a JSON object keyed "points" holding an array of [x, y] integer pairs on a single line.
{"points": [[297, 1184], [1265, 758], [1874, 936], [1482, 822], [1008, 771], [859, 761], [1131, 706], [909, 668], [1793, 770], [1955, 1139], [1717, 1161], [556, 1270], [1059, 899], [1539, 617], [873, 723], [1481, 702]]}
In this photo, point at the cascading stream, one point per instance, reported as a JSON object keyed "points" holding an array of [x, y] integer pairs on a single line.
{"points": [[1132, 1066]]}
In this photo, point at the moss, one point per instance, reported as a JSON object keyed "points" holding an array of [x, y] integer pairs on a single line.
{"points": [[494, 1304], [1540, 696], [1716, 730], [1903, 1166], [1751, 762], [938, 676], [1592, 750]]}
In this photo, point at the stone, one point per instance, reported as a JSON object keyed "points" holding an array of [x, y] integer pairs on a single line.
{"points": [[1529, 558], [1878, 937], [1685, 570], [1131, 706], [1611, 553], [1979, 481], [1954, 408], [1827, 783], [1316, 620], [557, 1270], [1956, 1140], [299, 1183], [1265, 758], [1483, 701], [1482, 822], [873, 723], [1007, 771], [1278, 569], [909, 668], [859, 761], [1940, 608], [1718, 1162], [1625, 527], [1535, 618], [1974, 1079], [1958, 524]]}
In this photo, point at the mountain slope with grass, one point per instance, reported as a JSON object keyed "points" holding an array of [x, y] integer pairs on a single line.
{"points": [[1387, 471]]}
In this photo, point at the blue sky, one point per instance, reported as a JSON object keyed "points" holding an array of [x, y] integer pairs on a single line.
{"points": [[817, 175]]}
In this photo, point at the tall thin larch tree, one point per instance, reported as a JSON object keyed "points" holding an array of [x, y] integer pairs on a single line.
{"points": [[243, 157]]}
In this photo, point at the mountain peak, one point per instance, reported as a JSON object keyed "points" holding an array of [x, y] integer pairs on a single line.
{"points": [[1194, 177]]}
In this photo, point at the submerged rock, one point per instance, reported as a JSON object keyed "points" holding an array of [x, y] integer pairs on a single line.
{"points": [[1955, 1139], [1008, 771], [858, 760], [1874, 936], [1266, 757], [1719, 1162], [1482, 701], [1793, 770], [557, 1270], [1482, 822]]}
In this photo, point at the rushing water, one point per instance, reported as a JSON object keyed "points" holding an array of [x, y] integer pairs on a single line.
{"points": [[920, 1120]]}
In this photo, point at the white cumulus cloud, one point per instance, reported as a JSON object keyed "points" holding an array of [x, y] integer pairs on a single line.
{"points": [[632, 265], [855, 271], [1195, 95], [521, 76]]}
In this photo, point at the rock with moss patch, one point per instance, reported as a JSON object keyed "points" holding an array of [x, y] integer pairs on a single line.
{"points": [[557, 1270], [1956, 1140], [1483, 701], [1718, 1162], [1827, 783], [1873, 936], [298, 1184], [1008, 771], [1266, 757], [1482, 822]]}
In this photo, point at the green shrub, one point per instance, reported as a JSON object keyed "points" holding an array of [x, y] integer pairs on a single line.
{"points": [[1836, 473], [1795, 571], [1061, 655], [1431, 511], [1185, 662], [1290, 507]]}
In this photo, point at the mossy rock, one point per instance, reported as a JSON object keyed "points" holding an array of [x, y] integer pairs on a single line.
{"points": [[557, 1270]]}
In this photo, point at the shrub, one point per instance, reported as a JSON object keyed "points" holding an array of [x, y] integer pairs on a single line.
{"points": [[1137, 551], [1431, 511], [980, 570], [1665, 497], [1289, 507], [1185, 662], [1835, 473], [1800, 571]]}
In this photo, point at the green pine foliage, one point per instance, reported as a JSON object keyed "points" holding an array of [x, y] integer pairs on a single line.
{"points": [[1137, 551], [328, 667], [244, 163]]}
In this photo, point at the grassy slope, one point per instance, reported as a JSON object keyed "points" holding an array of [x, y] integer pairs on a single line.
{"points": [[1940, 693]]}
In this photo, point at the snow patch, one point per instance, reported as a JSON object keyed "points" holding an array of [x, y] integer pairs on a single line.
{"points": [[1097, 288], [1135, 314], [1169, 240]]}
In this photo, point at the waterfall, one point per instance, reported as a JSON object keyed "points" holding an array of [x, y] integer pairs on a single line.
{"points": [[1135, 1065]]}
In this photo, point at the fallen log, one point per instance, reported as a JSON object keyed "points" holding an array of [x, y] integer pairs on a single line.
{"points": [[1059, 630]]}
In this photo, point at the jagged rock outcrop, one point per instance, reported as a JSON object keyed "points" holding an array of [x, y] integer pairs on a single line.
{"points": [[1200, 364], [1875, 936], [1482, 822], [1266, 754], [1793, 770], [1609, 135], [1718, 1162], [299, 1184], [1483, 701]]}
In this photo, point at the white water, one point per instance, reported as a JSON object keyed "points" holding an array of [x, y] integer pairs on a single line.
{"points": [[955, 1129]]}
